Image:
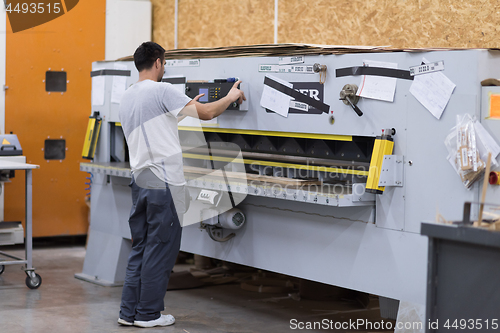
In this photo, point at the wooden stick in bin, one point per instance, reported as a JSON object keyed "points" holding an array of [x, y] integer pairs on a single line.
{"points": [[485, 186]]}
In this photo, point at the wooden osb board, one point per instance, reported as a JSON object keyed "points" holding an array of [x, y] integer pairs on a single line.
{"points": [[211, 23], [164, 23], [399, 23]]}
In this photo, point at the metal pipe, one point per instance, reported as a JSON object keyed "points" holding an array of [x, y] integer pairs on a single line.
{"points": [[9, 256], [29, 220], [13, 262]]}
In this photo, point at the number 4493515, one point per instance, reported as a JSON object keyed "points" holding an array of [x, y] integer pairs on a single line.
{"points": [[34, 8], [472, 324]]}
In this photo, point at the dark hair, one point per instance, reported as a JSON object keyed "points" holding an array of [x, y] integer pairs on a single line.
{"points": [[146, 55]]}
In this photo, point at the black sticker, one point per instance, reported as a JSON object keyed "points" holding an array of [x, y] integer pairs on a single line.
{"points": [[311, 89]]}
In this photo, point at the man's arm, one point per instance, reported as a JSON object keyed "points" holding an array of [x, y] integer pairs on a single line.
{"points": [[208, 111]]}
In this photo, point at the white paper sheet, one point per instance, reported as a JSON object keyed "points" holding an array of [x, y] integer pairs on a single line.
{"points": [[119, 85], [378, 87], [433, 91], [275, 100], [98, 86]]}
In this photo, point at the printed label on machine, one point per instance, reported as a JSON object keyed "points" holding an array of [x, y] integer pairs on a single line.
{"points": [[183, 63], [269, 68], [208, 196], [427, 68], [300, 69], [291, 60], [296, 69], [299, 106]]}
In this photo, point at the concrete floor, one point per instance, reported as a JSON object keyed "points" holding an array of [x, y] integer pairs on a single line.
{"points": [[65, 304]]}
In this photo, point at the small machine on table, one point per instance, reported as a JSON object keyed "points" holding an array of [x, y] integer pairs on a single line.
{"points": [[11, 233]]}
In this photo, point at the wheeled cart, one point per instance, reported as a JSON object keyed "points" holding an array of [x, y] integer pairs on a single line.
{"points": [[33, 280]]}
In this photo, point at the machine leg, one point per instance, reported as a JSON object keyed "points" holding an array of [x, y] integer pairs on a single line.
{"points": [[33, 280]]}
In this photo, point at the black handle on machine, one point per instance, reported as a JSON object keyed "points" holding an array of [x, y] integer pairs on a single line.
{"points": [[354, 107], [8, 146]]}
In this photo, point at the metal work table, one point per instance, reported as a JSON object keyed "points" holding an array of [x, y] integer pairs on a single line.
{"points": [[33, 280], [462, 279]]}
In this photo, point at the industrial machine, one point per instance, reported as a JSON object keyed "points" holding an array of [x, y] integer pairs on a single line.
{"points": [[334, 189]]}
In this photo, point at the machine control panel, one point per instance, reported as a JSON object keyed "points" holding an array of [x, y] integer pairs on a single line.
{"points": [[213, 91]]}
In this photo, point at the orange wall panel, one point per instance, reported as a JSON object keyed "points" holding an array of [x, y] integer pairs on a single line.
{"points": [[70, 43]]}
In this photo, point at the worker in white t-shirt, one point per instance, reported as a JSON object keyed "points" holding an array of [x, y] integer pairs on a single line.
{"points": [[149, 112]]}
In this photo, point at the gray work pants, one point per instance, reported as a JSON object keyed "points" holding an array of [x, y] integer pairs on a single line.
{"points": [[156, 236]]}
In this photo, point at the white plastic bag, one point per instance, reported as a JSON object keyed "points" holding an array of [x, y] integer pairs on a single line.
{"points": [[468, 146]]}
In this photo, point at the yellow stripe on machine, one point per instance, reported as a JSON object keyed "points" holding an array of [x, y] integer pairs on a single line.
{"points": [[381, 148], [269, 133], [277, 164], [88, 137], [91, 137]]}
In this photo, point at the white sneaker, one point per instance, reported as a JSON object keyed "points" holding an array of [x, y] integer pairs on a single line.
{"points": [[124, 322], [164, 320]]}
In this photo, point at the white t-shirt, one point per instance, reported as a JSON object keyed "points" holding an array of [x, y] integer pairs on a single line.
{"points": [[148, 113]]}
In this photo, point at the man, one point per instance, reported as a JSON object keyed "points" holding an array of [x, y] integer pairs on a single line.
{"points": [[149, 112]]}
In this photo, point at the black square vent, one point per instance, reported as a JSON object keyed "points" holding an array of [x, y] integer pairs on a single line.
{"points": [[55, 81], [55, 149]]}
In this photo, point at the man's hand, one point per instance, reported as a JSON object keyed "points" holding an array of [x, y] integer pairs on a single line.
{"points": [[208, 111], [198, 97], [235, 94]]}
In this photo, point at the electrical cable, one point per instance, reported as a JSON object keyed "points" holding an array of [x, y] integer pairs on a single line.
{"points": [[298, 211], [220, 240]]}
